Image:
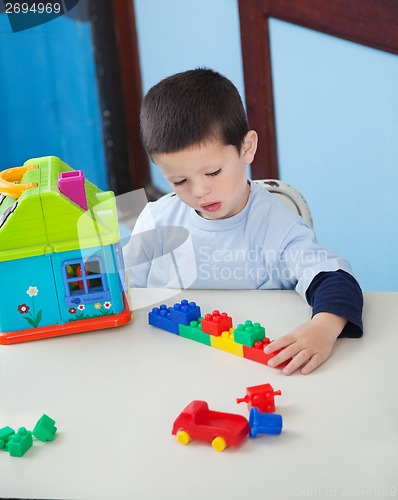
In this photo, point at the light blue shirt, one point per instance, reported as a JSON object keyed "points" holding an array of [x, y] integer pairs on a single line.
{"points": [[265, 246]]}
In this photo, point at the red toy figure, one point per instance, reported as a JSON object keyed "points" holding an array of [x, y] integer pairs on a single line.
{"points": [[261, 397]]}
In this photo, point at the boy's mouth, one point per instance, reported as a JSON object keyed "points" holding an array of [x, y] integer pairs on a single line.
{"points": [[211, 207]]}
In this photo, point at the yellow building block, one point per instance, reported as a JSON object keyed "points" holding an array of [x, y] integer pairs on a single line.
{"points": [[226, 342]]}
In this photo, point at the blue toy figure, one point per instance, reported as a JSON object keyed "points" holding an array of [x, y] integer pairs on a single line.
{"points": [[264, 423]]}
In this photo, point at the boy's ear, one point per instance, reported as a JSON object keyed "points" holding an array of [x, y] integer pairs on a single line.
{"points": [[249, 146]]}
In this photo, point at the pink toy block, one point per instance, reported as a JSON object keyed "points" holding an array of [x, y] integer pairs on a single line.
{"points": [[71, 184]]}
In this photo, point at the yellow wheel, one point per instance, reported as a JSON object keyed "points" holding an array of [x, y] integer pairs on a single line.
{"points": [[219, 443], [183, 437]]}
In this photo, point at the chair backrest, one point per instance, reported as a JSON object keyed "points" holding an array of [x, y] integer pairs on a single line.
{"points": [[289, 196], [285, 193]]}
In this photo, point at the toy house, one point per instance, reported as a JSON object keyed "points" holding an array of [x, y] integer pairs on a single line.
{"points": [[61, 263]]}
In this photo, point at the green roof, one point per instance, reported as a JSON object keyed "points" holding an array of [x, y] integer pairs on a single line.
{"points": [[43, 220]]}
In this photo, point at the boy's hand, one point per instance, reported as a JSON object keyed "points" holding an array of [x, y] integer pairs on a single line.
{"points": [[308, 345]]}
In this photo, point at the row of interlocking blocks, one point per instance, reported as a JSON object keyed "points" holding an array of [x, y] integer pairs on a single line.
{"points": [[214, 329], [18, 443]]}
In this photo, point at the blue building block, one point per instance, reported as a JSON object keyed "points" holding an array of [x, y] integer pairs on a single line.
{"points": [[264, 423], [185, 312], [20, 442], [161, 318]]}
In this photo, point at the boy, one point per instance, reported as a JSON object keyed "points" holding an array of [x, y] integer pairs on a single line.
{"points": [[195, 129]]}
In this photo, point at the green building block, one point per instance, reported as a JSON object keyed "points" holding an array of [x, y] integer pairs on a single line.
{"points": [[45, 429], [5, 434], [249, 333], [193, 331], [20, 442]]}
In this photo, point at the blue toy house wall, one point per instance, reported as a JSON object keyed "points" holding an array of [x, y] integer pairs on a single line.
{"points": [[36, 290], [29, 297], [94, 304]]}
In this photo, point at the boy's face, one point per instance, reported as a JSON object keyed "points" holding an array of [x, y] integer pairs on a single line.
{"points": [[211, 178]]}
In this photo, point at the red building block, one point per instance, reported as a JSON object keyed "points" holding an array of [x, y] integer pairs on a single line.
{"points": [[256, 353], [216, 323], [261, 397]]}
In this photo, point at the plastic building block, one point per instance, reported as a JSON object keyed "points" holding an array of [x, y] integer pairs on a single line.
{"points": [[161, 318], [260, 397], [193, 331], [20, 442], [45, 429], [185, 312], [226, 342], [249, 333], [5, 434], [264, 423], [256, 353], [216, 323], [71, 184], [196, 421]]}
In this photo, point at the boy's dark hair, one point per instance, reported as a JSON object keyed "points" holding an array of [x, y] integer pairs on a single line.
{"points": [[192, 108]]}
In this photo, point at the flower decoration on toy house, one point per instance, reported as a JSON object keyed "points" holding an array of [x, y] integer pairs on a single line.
{"points": [[31, 317]]}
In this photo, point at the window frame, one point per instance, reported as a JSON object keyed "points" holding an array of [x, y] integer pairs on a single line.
{"points": [[367, 22]]}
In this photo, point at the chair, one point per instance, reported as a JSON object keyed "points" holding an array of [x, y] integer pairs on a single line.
{"points": [[285, 193], [289, 196]]}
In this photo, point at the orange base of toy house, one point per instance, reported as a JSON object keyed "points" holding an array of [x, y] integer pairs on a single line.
{"points": [[79, 326]]}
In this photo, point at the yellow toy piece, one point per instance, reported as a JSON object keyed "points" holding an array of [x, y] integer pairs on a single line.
{"points": [[219, 443], [183, 437], [9, 177], [226, 342]]}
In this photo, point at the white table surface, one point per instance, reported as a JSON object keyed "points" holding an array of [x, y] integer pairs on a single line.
{"points": [[115, 394]]}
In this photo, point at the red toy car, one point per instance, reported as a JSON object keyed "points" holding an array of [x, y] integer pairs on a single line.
{"points": [[196, 421]]}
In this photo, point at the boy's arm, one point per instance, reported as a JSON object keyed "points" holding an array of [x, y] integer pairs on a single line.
{"points": [[337, 301]]}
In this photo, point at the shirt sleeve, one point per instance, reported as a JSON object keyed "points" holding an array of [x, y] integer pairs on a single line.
{"points": [[338, 293]]}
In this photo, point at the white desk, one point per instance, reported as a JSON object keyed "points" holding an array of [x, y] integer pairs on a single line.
{"points": [[115, 394]]}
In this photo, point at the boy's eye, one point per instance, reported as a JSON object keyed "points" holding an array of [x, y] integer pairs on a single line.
{"points": [[212, 174], [180, 183]]}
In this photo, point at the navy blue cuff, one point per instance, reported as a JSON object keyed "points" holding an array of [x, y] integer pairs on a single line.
{"points": [[339, 293]]}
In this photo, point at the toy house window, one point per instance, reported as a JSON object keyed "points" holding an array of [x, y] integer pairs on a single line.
{"points": [[7, 212], [85, 281]]}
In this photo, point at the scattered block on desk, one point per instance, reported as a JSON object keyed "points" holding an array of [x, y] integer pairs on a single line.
{"points": [[226, 342], [249, 333], [45, 429], [264, 423], [216, 323], [185, 312], [261, 397], [5, 434], [20, 442], [193, 331]]}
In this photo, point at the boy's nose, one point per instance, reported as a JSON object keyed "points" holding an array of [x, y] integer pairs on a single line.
{"points": [[200, 189]]}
